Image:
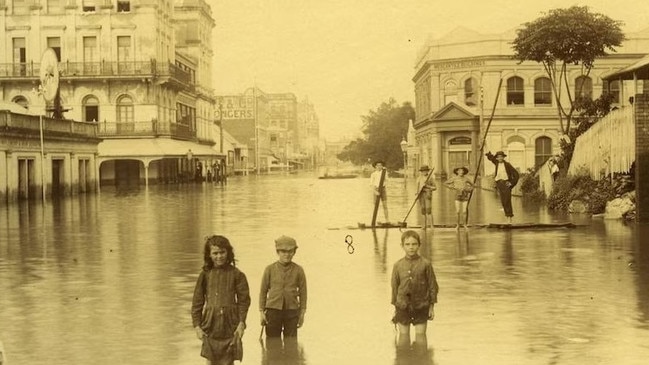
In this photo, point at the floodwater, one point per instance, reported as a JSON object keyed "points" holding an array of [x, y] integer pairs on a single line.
{"points": [[108, 279]]}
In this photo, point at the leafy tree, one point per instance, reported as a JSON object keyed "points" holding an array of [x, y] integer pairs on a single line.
{"points": [[383, 130], [564, 37]]}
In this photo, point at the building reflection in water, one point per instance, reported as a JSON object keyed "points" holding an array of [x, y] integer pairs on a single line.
{"points": [[278, 351]]}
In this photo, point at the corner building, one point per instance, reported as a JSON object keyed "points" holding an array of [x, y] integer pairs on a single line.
{"points": [[140, 70], [456, 87]]}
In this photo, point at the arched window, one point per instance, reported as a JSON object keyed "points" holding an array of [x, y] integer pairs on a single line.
{"points": [[543, 150], [613, 88], [125, 109], [21, 100], [90, 109], [542, 91], [471, 92], [584, 87], [450, 91], [515, 91]]}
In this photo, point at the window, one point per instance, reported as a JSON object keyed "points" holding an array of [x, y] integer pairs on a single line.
{"points": [[515, 92], [645, 87], [90, 56], [584, 87], [90, 109], [542, 91], [123, 6], [470, 89], [55, 44], [613, 88], [19, 56], [21, 100], [543, 150], [125, 109], [88, 5], [124, 54]]}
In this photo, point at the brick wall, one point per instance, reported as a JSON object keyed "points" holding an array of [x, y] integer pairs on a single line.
{"points": [[642, 157]]}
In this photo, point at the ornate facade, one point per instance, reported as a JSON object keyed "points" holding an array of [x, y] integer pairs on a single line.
{"points": [[462, 77]]}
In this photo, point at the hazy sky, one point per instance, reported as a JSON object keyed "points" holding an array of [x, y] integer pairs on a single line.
{"points": [[348, 56]]}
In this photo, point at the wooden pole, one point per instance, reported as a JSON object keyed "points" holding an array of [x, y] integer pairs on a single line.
{"points": [[417, 197], [484, 140]]}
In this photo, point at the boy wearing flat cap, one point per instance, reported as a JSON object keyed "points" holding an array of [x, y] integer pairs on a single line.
{"points": [[283, 294], [506, 178]]}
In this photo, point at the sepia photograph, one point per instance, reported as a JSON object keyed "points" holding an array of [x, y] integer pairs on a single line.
{"points": [[283, 182]]}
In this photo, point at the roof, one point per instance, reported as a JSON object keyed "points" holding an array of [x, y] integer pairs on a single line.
{"points": [[640, 67], [152, 147]]}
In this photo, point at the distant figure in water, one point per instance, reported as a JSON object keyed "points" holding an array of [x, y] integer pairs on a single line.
{"points": [[425, 187], [506, 178], [414, 290], [379, 189], [463, 187]]}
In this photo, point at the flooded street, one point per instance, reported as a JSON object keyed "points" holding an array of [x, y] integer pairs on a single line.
{"points": [[108, 279]]}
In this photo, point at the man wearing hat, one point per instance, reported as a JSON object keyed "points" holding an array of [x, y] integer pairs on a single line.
{"points": [[282, 297], [425, 188], [506, 178], [378, 186]]}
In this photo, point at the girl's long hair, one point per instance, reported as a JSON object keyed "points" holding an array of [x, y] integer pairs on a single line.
{"points": [[220, 242]]}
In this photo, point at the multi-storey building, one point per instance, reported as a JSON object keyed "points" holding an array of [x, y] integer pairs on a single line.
{"points": [[127, 67], [279, 132], [282, 128], [308, 134], [457, 80]]}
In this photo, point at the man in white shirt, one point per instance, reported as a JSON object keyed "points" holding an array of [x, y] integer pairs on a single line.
{"points": [[378, 180], [506, 178]]}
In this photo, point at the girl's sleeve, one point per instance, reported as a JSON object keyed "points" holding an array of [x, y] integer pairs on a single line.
{"points": [[198, 300], [432, 284], [395, 284], [243, 296]]}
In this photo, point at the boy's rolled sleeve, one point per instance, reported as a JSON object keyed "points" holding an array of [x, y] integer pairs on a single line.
{"points": [[433, 286], [263, 290]]}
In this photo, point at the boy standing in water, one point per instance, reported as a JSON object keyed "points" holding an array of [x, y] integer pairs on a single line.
{"points": [[425, 188], [462, 186], [414, 290], [283, 294]]}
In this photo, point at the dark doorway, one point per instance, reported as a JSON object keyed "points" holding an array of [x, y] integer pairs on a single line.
{"points": [[127, 174]]}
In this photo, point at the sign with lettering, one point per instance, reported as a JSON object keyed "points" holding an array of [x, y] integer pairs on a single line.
{"points": [[466, 63], [460, 140], [235, 107]]}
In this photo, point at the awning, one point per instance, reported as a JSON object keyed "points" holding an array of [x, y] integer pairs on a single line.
{"points": [[640, 68], [153, 147]]}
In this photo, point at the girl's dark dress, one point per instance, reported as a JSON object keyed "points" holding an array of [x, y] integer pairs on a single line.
{"points": [[221, 301]]}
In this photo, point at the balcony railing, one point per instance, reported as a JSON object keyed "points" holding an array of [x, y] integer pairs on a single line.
{"points": [[150, 128], [101, 69], [30, 122]]}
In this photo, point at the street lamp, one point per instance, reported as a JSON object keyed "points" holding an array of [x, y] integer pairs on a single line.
{"points": [[404, 149]]}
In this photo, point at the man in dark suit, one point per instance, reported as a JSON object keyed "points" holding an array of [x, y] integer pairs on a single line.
{"points": [[506, 178]]}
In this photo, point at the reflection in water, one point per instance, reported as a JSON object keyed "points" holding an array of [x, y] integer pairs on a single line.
{"points": [[286, 351], [417, 353], [380, 250], [107, 279]]}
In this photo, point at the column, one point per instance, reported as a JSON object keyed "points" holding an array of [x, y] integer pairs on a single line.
{"points": [[3, 179], [641, 106]]}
